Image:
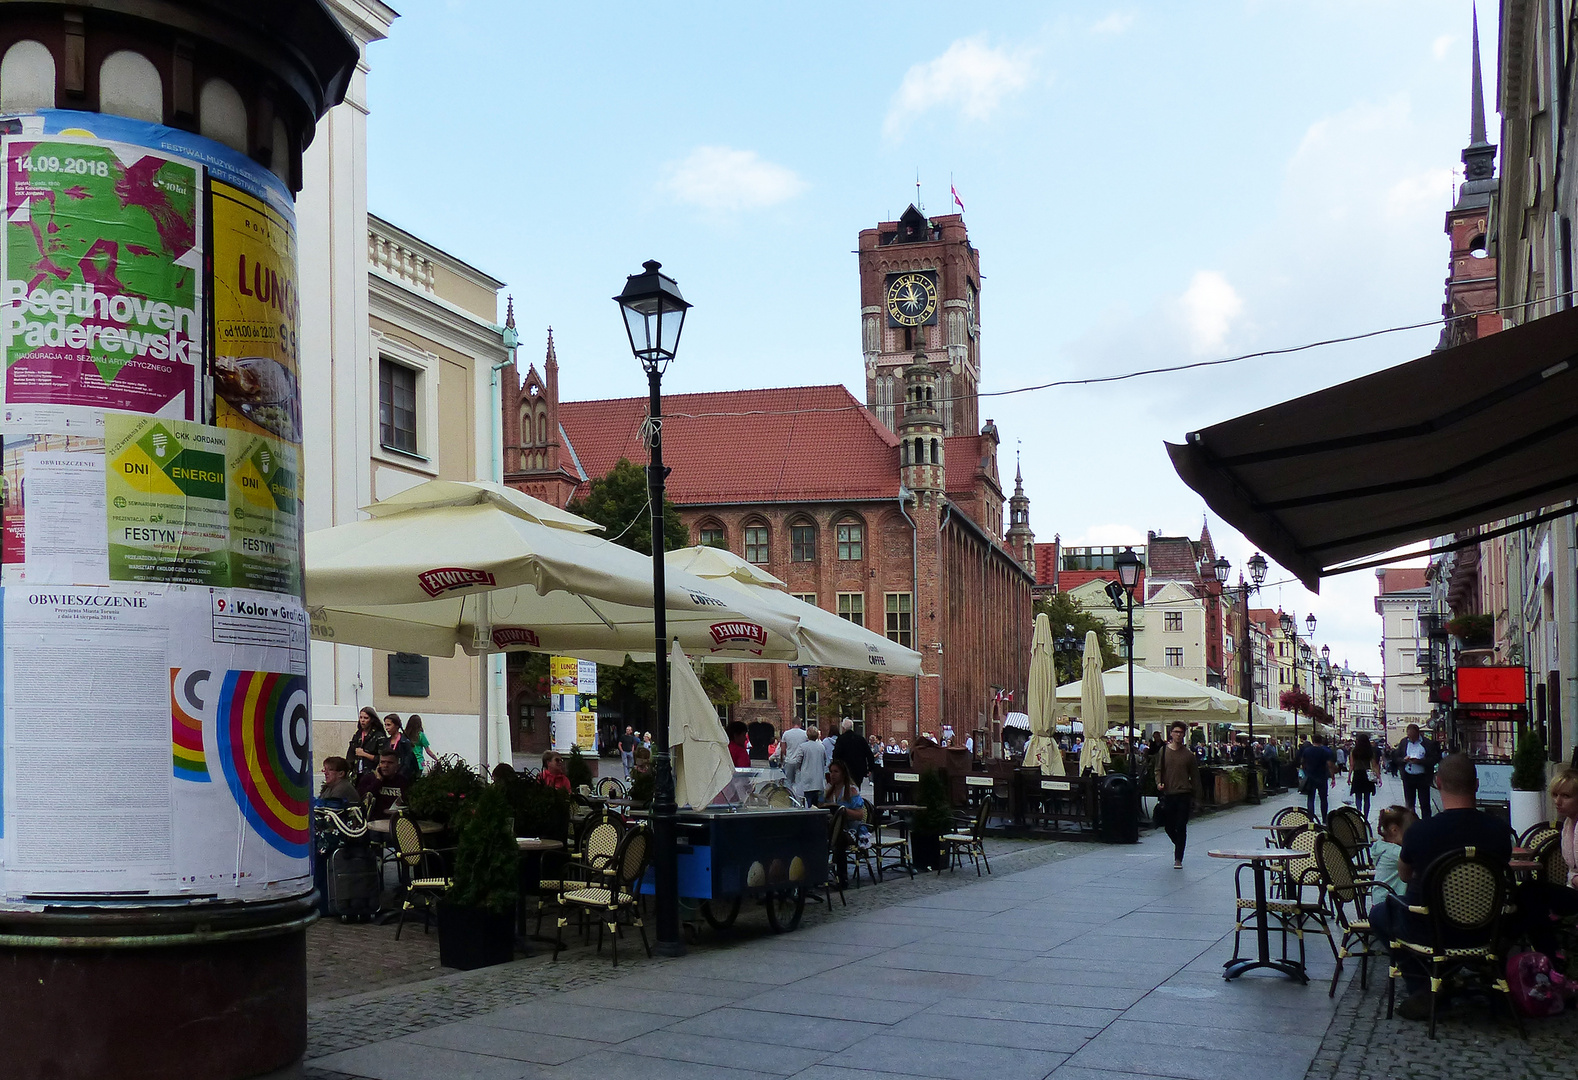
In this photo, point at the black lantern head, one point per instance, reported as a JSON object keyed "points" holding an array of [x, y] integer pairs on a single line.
{"points": [[654, 314], [1222, 566], [1309, 622], [1325, 653], [1257, 569], [1127, 564], [1287, 622]]}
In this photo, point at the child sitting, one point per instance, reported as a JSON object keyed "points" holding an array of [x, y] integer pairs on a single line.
{"points": [[1393, 823]]}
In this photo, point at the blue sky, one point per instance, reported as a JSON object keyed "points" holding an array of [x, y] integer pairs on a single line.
{"points": [[1147, 184]]}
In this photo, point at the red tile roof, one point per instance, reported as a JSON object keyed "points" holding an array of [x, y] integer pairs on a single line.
{"points": [[1172, 558], [1046, 564], [962, 459], [1402, 579], [793, 444]]}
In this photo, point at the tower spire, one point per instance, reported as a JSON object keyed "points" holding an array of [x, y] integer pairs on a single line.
{"points": [[1479, 156]]}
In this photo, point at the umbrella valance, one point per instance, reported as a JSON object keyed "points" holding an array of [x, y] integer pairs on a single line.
{"points": [[1017, 720], [1453, 440], [1157, 697]]}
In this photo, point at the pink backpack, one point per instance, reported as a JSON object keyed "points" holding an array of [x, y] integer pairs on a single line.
{"points": [[1537, 988]]}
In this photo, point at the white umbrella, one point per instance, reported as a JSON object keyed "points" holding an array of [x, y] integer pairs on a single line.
{"points": [[485, 568], [826, 640], [1093, 754], [1042, 750], [702, 765], [1158, 697]]}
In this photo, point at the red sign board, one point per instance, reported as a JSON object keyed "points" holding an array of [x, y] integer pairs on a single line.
{"points": [[1491, 686]]}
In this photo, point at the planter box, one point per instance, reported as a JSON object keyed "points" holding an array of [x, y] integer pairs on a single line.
{"points": [[470, 938], [1527, 808], [926, 850]]}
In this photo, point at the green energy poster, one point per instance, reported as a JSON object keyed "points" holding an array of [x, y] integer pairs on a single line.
{"points": [[166, 500], [264, 545]]}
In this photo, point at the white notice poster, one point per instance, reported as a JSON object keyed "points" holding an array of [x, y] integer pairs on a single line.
{"points": [[67, 539]]}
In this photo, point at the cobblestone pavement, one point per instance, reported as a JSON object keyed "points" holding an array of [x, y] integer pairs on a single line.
{"points": [[365, 987], [1475, 1040]]}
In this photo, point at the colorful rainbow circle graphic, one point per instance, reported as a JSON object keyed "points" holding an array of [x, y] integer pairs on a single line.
{"points": [[263, 750]]}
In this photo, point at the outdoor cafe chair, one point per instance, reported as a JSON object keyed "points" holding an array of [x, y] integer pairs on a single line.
{"points": [[1351, 831], [968, 839], [610, 787], [1286, 823], [1465, 898], [422, 871], [613, 893], [596, 841], [1299, 899], [1349, 898], [1536, 835]]}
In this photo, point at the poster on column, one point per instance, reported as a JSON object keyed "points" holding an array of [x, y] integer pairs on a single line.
{"points": [[264, 542], [256, 385], [187, 748], [101, 269], [168, 507]]}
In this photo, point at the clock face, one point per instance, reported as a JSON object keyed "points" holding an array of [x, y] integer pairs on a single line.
{"points": [[912, 299]]}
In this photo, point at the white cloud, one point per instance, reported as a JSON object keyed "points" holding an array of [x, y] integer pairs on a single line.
{"points": [[1116, 23], [1209, 306], [724, 179], [1441, 46], [970, 76]]}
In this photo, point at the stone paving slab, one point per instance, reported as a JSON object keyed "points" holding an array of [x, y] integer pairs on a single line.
{"points": [[1106, 966]]}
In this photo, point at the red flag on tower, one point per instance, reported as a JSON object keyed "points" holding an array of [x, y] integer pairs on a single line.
{"points": [[956, 197]]}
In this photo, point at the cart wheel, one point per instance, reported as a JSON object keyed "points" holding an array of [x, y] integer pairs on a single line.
{"points": [[785, 908], [720, 918]]}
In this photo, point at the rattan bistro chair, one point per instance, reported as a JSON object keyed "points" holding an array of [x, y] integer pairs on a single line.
{"points": [[968, 839], [610, 787], [1286, 824], [892, 851], [1348, 899], [596, 840], [422, 871], [1298, 901], [1465, 898], [1351, 831], [613, 893]]}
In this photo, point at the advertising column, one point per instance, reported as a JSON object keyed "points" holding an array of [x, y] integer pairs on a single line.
{"points": [[154, 636]]}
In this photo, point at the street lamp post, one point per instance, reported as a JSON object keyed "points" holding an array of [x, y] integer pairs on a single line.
{"points": [[1246, 658], [1127, 565], [1290, 629], [654, 315]]}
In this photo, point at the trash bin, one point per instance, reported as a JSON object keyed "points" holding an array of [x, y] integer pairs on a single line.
{"points": [[1120, 822]]}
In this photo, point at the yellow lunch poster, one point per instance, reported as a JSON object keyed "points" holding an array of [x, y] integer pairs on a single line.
{"points": [[256, 306], [264, 536], [165, 500]]}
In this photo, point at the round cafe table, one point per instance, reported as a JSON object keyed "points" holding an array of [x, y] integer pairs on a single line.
{"points": [[531, 850], [383, 825], [1259, 859]]}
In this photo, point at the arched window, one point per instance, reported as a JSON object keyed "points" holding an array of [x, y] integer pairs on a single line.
{"points": [[710, 534], [757, 548], [936, 452], [904, 452], [802, 541], [851, 538], [129, 85], [542, 426], [221, 115], [27, 78], [920, 451]]}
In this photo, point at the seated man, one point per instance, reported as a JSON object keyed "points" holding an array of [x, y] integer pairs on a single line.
{"points": [[1458, 825], [336, 781], [387, 785], [739, 744]]}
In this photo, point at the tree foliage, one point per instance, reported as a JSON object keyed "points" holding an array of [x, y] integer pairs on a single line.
{"points": [[841, 693], [1064, 610], [619, 503], [634, 686]]}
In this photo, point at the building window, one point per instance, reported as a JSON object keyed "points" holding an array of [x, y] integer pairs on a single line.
{"points": [[899, 627], [396, 407], [758, 689], [712, 536], [851, 542], [802, 543], [852, 606], [756, 544], [803, 699], [805, 598], [1172, 620], [1175, 658]]}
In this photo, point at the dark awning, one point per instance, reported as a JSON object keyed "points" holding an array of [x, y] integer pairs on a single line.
{"points": [[1447, 442]]}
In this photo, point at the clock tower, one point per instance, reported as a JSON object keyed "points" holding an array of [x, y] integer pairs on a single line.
{"points": [[920, 283]]}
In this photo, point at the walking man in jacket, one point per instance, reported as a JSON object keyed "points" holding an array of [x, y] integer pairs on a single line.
{"points": [[1177, 774]]}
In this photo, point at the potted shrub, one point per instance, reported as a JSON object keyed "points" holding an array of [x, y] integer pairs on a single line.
{"points": [[578, 769], [442, 793], [1528, 781], [934, 818], [476, 918], [539, 810]]}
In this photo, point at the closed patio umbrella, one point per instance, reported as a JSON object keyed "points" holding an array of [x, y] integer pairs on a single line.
{"points": [[1042, 750], [702, 765], [1093, 754]]}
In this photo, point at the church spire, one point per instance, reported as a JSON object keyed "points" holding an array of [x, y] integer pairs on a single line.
{"points": [[1479, 156]]}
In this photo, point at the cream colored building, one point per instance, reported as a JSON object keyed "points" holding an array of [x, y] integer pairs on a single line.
{"points": [[1169, 628], [399, 343]]}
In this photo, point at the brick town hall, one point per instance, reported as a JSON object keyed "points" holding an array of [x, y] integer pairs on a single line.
{"points": [[889, 513]]}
